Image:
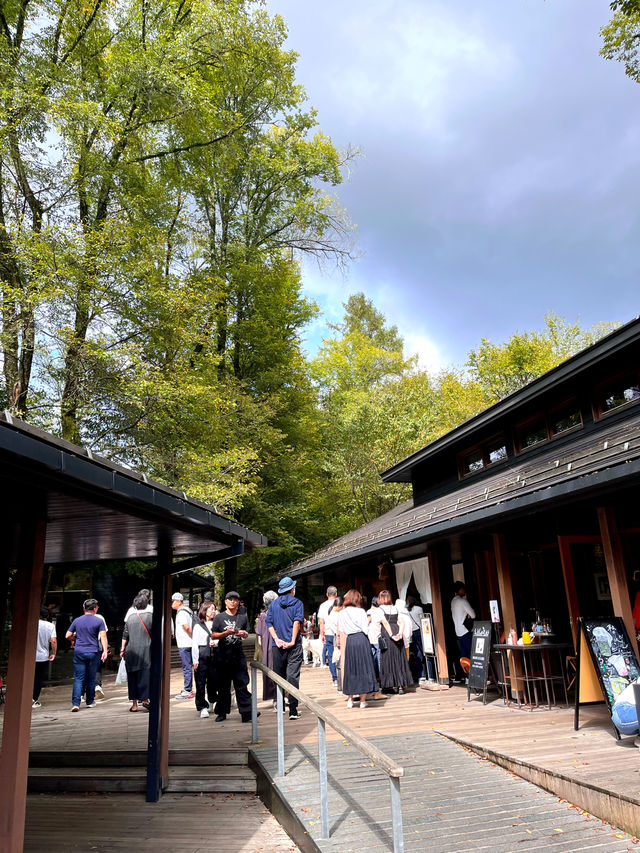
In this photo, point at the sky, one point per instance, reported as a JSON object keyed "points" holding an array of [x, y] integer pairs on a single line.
{"points": [[499, 176]]}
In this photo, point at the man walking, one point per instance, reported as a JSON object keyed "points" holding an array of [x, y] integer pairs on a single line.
{"points": [[285, 618], [46, 638], [90, 635], [230, 628], [183, 632], [326, 633]]}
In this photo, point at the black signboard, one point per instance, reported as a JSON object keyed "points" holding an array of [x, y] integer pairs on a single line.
{"points": [[613, 659], [480, 649]]}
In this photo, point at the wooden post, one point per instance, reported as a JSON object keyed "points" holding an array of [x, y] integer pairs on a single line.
{"points": [[158, 733], [482, 584], [438, 618], [507, 605], [564, 545], [616, 570], [230, 576], [14, 758]]}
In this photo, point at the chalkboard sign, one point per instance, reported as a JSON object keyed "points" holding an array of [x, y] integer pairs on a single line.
{"points": [[480, 648], [610, 654]]}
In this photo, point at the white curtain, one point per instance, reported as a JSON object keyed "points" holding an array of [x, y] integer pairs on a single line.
{"points": [[420, 570]]}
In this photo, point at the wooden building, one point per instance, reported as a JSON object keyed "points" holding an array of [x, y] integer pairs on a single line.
{"points": [[533, 503], [64, 506]]}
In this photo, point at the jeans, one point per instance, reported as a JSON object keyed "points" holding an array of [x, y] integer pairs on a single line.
{"points": [[464, 644], [375, 651], [418, 667], [85, 666], [327, 650], [187, 668], [286, 663], [625, 718]]}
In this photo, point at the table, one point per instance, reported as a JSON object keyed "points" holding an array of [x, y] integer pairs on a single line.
{"points": [[535, 677]]}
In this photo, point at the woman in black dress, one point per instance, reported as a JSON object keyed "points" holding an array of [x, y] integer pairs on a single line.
{"points": [[358, 673], [136, 651], [394, 667]]}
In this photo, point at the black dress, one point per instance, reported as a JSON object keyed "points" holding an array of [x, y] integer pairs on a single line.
{"points": [[358, 673], [394, 666]]}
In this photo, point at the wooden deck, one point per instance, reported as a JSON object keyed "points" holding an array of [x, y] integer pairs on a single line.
{"points": [[588, 767]]}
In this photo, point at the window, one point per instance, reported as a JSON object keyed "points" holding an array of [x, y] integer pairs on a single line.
{"points": [[619, 393], [482, 456], [548, 425]]}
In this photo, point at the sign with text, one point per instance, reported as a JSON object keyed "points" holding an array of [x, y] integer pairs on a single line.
{"points": [[495, 611], [426, 632], [480, 649]]}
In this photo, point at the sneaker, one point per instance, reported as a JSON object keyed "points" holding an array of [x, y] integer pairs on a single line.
{"points": [[35, 704], [422, 681], [204, 714], [349, 702], [92, 705], [275, 704], [246, 718], [400, 691], [99, 692], [184, 695], [220, 718], [75, 708], [363, 704], [295, 716]]}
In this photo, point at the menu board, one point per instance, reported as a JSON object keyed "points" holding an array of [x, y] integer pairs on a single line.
{"points": [[612, 658], [612, 655], [426, 632], [479, 661]]}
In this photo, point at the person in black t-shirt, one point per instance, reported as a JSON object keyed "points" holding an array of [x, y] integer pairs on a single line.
{"points": [[230, 628]]}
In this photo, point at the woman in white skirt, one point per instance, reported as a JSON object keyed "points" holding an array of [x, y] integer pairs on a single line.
{"points": [[358, 673]]}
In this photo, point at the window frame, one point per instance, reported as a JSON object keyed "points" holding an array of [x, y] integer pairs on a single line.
{"points": [[599, 412], [483, 447], [547, 417]]}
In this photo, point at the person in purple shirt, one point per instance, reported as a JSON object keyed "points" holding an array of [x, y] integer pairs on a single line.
{"points": [[285, 618], [90, 647]]}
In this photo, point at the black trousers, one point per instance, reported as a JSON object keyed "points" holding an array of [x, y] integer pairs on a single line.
{"points": [[206, 681], [232, 669], [38, 678], [286, 663]]}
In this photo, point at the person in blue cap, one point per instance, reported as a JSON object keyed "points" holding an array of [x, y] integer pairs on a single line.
{"points": [[285, 618]]}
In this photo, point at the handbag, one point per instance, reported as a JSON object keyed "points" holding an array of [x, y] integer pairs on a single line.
{"points": [[382, 644], [335, 657]]}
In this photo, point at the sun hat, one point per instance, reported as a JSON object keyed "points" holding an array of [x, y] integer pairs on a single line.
{"points": [[285, 585]]}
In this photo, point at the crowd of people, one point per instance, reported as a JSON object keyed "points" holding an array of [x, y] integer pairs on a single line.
{"points": [[371, 653]]}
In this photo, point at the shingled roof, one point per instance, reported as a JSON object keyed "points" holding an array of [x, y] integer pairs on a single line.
{"points": [[596, 461]]}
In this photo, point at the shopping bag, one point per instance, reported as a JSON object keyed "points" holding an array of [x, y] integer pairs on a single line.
{"points": [[121, 677]]}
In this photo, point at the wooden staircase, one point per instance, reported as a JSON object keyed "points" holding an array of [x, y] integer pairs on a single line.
{"points": [[190, 771]]}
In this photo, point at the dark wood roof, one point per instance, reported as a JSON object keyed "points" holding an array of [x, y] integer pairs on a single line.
{"points": [[595, 462], [583, 361], [99, 510]]}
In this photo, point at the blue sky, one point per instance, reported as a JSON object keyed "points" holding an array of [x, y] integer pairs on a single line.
{"points": [[500, 171]]}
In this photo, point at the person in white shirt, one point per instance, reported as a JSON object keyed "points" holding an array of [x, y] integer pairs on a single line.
{"points": [[202, 655], [460, 610], [358, 673], [183, 632], [417, 661], [326, 634], [46, 638]]}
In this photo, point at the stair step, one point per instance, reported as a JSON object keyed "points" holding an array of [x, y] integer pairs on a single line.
{"points": [[185, 779], [135, 758]]}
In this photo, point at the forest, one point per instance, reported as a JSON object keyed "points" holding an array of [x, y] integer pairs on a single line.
{"points": [[162, 176]]}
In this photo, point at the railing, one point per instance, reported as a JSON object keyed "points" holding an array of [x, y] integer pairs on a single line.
{"points": [[375, 755]]}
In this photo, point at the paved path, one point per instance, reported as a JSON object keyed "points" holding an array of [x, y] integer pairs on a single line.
{"points": [[452, 801]]}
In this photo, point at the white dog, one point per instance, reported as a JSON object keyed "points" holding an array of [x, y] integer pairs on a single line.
{"points": [[313, 648]]}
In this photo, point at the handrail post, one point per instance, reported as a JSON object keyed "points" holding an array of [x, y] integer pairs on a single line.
{"points": [[324, 787], [254, 705], [396, 815], [280, 704]]}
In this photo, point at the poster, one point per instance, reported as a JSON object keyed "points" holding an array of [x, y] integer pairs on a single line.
{"points": [[426, 631]]}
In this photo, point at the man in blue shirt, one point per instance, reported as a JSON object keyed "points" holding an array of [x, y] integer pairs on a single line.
{"points": [[285, 618], [90, 647]]}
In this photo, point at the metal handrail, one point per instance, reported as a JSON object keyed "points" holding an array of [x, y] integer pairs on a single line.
{"points": [[379, 759]]}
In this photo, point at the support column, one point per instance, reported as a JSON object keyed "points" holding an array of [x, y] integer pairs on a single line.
{"points": [[506, 604], [158, 737], [616, 570], [14, 757], [230, 576], [564, 545], [438, 618]]}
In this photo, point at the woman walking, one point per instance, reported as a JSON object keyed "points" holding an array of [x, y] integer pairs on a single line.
{"points": [[394, 667], [266, 643], [202, 656], [136, 651], [358, 673]]}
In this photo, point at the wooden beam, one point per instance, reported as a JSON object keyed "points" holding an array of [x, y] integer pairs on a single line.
{"points": [[506, 605], [564, 545], [14, 757], [617, 571], [438, 618]]}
